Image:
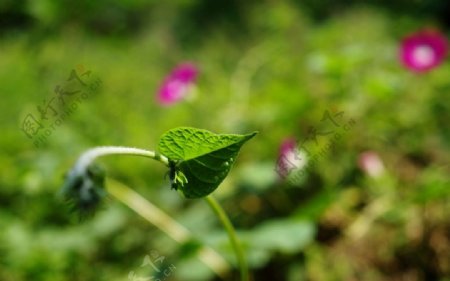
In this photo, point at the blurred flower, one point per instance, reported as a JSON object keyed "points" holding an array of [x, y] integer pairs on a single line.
{"points": [[177, 84], [371, 164], [289, 158], [424, 50], [84, 189]]}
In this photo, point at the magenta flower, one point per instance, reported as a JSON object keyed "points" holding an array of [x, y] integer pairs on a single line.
{"points": [[177, 84], [371, 164], [289, 158], [424, 50]]}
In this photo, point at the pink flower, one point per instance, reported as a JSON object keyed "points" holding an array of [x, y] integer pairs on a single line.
{"points": [[289, 158], [424, 50], [177, 84], [371, 164]]}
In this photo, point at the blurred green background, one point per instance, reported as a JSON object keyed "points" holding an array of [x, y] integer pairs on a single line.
{"points": [[270, 66]]}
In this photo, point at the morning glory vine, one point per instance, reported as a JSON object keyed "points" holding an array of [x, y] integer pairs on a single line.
{"points": [[198, 161]]}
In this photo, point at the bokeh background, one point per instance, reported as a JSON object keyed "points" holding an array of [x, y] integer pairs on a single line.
{"points": [[270, 66]]}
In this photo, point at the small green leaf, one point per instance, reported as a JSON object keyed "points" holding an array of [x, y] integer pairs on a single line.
{"points": [[180, 178], [203, 158], [285, 235]]}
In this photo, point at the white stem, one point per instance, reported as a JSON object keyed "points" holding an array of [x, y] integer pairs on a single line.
{"points": [[90, 155]]}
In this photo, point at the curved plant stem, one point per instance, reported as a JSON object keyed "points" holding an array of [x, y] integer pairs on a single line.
{"points": [[90, 155], [231, 235], [166, 223]]}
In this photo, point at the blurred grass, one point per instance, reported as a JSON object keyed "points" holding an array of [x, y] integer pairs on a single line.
{"points": [[278, 77]]}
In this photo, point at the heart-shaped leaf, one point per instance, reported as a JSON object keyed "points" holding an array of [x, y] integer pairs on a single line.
{"points": [[202, 158]]}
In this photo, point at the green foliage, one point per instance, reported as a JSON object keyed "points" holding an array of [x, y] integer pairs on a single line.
{"points": [[286, 236], [277, 78], [203, 159]]}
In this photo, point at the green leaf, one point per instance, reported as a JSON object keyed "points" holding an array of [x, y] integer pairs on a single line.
{"points": [[203, 158], [284, 235]]}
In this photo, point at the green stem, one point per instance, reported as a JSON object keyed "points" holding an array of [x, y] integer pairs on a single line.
{"points": [[167, 224], [218, 210]]}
